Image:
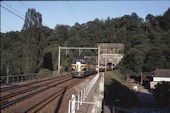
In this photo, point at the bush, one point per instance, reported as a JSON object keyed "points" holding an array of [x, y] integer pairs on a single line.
{"points": [[44, 71]]}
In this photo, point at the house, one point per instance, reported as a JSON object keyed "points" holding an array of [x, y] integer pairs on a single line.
{"points": [[160, 75]]}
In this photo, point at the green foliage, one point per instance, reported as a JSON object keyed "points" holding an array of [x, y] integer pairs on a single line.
{"points": [[147, 42], [164, 20], [154, 59], [42, 71], [115, 90], [132, 62], [31, 40]]}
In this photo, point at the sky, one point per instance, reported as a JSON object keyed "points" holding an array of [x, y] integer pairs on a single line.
{"points": [[70, 12]]}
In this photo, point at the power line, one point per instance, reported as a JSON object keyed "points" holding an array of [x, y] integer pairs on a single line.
{"points": [[72, 10], [23, 4], [8, 27], [12, 12], [2, 30], [13, 9]]}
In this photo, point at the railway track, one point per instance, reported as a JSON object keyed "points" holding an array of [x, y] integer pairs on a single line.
{"points": [[5, 99], [56, 88], [25, 89], [3, 89], [46, 101]]}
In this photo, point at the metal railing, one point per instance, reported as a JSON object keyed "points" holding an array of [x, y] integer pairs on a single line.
{"points": [[79, 98], [24, 77]]}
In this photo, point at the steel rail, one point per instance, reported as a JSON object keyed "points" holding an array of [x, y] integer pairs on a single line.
{"points": [[25, 90], [30, 83], [52, 97], [31, 94]]}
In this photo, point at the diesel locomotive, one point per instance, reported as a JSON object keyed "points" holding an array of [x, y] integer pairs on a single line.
{"points": [[82, 67]]}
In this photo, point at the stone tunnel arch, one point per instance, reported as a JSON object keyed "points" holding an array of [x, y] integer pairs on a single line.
{"points": [[111, 53]]}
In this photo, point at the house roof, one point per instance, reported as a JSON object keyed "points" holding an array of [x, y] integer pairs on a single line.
{"points": [[162, 73]]}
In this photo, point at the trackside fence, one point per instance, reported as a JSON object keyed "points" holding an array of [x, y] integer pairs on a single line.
{"points": [[79, 98], [24, 77]]}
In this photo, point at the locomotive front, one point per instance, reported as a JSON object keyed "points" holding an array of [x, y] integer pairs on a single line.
{"points": [[79, 67]]}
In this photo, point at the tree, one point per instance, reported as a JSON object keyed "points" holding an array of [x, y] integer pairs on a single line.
{"points": [[134, 16], [61, 34], [147, 42], [31, 40], [132, 62], [150, 18], [32, 19], [154, 59], [166, 53], [11, 53], [165, 20]]}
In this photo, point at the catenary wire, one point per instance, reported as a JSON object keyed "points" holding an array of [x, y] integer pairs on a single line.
{"points": [[72, 11], [13, 13], [8, 27], [13, 8]]}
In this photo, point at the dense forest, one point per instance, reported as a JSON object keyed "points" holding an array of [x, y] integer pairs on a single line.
{"points": [[35, 47]]}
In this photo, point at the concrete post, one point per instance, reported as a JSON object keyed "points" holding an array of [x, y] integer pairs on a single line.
{"points": [[7, 79], [105, 64], [73, 104], [98, 59], [59, 60], [101, 84], [141, 79]]}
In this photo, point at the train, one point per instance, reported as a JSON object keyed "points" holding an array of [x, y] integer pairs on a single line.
{"points": [[82, 67]]}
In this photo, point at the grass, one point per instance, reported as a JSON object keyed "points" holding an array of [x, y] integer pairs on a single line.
{"points": [[115, 89], [114, 75]]}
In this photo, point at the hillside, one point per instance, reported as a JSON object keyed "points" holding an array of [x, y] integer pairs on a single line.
{"points": [[36, 47]]}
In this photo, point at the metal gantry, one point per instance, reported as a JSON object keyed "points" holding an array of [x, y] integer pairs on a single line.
{"points": [[80, 50]]}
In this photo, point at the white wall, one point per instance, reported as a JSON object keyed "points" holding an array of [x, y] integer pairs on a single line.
{"points": [[161, 79]]}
